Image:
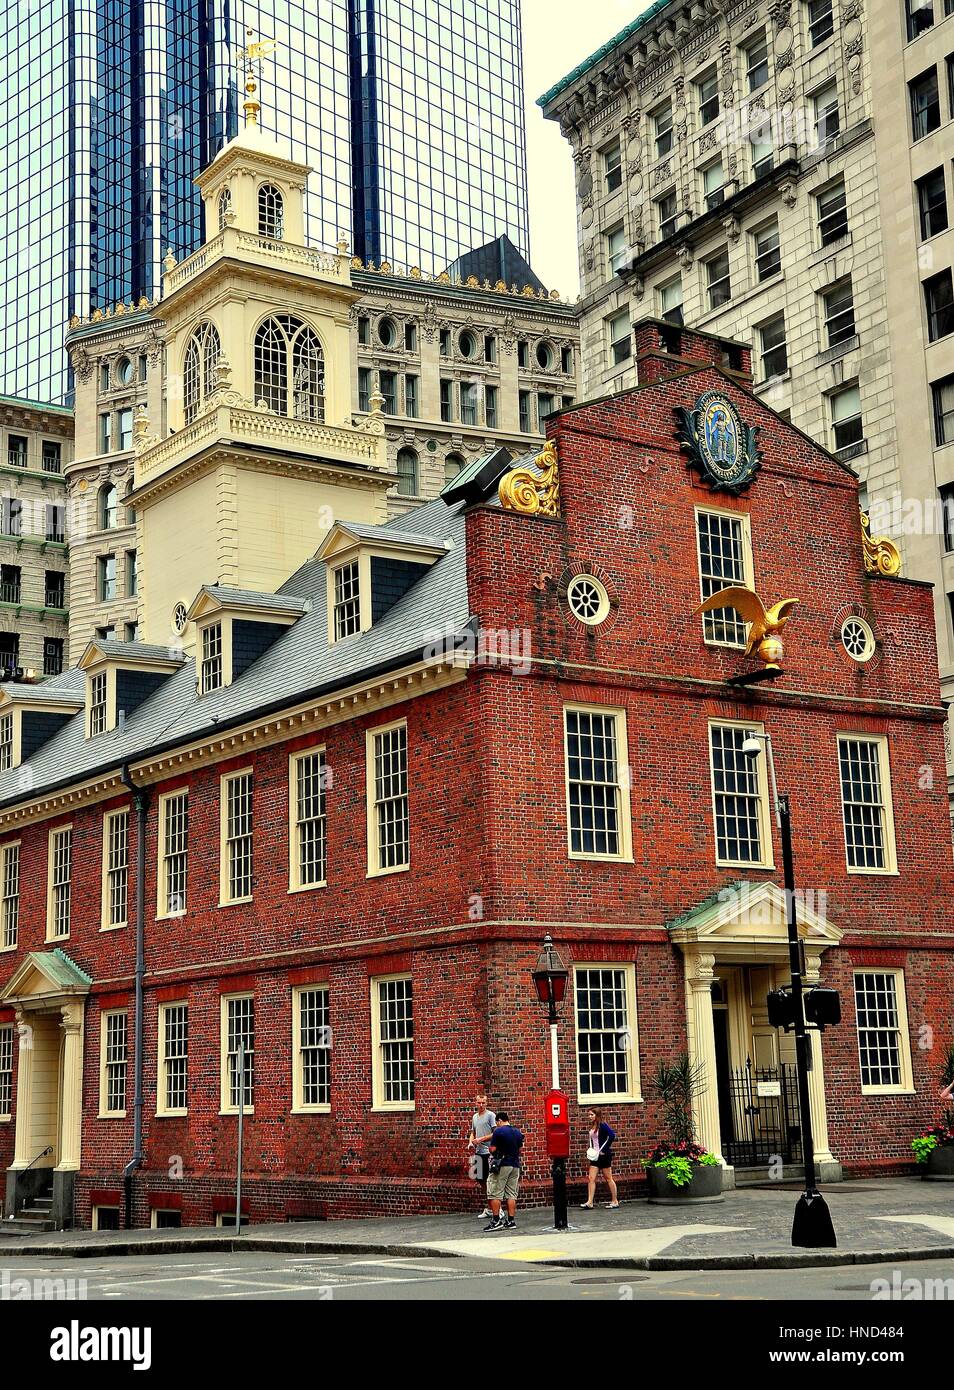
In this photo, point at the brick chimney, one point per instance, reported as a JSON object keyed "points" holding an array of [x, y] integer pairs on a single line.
{"points": [[664, 348]]}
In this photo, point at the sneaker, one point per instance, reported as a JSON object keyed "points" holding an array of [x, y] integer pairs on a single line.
{"points": [[495, 1225], [510, 1224], [486, 1212], [585, 1206]]}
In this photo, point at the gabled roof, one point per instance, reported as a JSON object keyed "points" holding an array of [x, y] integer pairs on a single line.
{"points": [[345, 534], [129, 654], [57, 975], [212, 598], [65, 690]]}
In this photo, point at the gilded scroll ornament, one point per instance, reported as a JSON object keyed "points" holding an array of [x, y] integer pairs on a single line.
{"points": [[535, 494], [882, 556]]}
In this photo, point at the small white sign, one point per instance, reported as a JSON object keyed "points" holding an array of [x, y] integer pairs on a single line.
{"points": [[768, 1088]]}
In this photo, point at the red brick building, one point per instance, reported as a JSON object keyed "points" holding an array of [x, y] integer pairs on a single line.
{"points": [[352, 848]]}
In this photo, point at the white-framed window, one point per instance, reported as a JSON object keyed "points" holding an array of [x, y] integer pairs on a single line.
{"points": [[662, 129], [389, 827], [755, 50], [392, 1042], [607, 1048], [619, 339], [211, 671], [596, 764], [613, 167], [311, 1049], [238, 1052], [884, 1046], [97, 704], [832, 213], [713, 183], [739, 797], [718, 278], [347, 600], [10, 905], [271, 212], [765, 245], [105, 1218], [865, 776], [235, 884], [6, 1071], [827, 117], [774, 348], [617, 249], [821, 23], [724, 547], [707, 91], [173, 1084], [6, 742], [59, 881], [173, 853], [587, 599], [669, 298], [847, 425], [838, 304], [165, 1219], [113, 1062], [308, 776], [858, 639], [115, 911], [667, 214]]}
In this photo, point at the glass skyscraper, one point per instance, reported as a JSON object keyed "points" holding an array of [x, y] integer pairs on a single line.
{"points": [[410, 113]]}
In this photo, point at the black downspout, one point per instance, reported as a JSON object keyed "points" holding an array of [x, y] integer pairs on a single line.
{"points": [[141, 803]]}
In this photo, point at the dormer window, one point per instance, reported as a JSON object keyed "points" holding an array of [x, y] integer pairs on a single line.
{"points": [[271, 212], [211, 672], [347, 600], [200, 369], [97, 704], [6, 742], [225, 207], [290, 368]]}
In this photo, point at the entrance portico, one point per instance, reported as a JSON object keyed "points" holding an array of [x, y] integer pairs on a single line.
{"points": [[48, 993], [735, 950]]}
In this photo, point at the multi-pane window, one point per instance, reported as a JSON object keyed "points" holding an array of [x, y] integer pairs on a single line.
{"points": [[613, 167], [620, 341], [116, 869], [52, 460], [617, 250], [239, 1060], [13, 516], [271, 212], [200, 368], [866, 805], [939, 304], [839, 308], [756, 61], [407, 470], [10, 583], [175, 853], [468, 402], [52, 656], [60, 877], [919, 15], [10, 906], [707, 89], [491, 416], [846, 423], [97, 704], [942, 393], [364, 388], [6, 1071], [389, 830], [596, 781], [932, 203], [411, 407], [237, 828], [447, 400], [106, 565], [132, 574], [54, 589], [289, 368], [105, 432], [670, 300], [388, 387], [882, 1034], [821, 24], [6, 742], [174, 1057], [925, 104], [605, 1032], [774, 347], [737, 796], [309, 821], [115, 1050], [124, 419], [718, 283], [723, 548], [347, 605], [762, 150], [713, 184], [827, 118], [312, 1061], [524, 404], [212, 667], [453, 467], [16, 451], [667, 214], [768, 256], [662, 129], [832, 214], [55, 522], [393, 1029]]}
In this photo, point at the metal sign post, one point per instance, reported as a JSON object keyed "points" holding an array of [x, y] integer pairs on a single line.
{"points": [[241, 1136]]}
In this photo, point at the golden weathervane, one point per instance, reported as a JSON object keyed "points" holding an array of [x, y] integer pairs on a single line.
{"points": [[765, 623], [534, 493], [253, 53]]}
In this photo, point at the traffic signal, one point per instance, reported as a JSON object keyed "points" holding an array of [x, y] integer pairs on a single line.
{"points": [[823, 1006], [781, 1009]]}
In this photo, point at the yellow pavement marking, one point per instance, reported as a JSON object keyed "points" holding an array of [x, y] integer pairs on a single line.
{"points": [[530, 1254]]}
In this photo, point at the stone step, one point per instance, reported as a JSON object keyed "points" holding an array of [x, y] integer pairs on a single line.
{"points": [[794, 1176], [25, 1225]]}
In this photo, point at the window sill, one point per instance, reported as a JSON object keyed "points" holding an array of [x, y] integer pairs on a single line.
{"points": [[888, 1091], [838, 350], [406, 1107], [384, 873], [310, 1110], [580, 857], [171, 916], [307, 887], [111, 1115], [171, 1114], [591, 1102], [875, 873], [744, 864], [235, 902], [116, 926], [6, 950], [249, 1110], [56, 940], [851, 451]]}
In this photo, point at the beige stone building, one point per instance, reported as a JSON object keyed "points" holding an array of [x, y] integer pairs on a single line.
{"points": [[37, 443], [778, 172]]}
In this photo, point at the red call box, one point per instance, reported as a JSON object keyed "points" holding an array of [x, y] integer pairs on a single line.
{"points": [[556, 1122]]}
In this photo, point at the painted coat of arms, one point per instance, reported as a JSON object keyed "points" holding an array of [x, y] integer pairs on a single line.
{"points": [[718, 442]]}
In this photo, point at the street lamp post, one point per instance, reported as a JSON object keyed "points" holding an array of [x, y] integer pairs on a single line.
{"points": [[812, 1224], [549, 979]]}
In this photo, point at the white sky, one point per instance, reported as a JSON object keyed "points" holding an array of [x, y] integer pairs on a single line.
{"points": [[557, 35]]}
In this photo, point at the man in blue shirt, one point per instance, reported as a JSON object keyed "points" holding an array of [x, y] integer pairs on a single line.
{"points": [[503, 1181]]}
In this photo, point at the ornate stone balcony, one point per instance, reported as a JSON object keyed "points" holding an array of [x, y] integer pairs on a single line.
{"points": [[259, 250]]}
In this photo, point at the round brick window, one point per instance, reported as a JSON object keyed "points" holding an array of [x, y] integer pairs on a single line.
{"points": [[587, 599], [858, 639]]}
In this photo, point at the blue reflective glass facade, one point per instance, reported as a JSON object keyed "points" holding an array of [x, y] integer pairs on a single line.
{"points": [[409, 112]]}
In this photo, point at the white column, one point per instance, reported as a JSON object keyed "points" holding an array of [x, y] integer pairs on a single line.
{"points": [[71, 1100], [24, 1097], [816, 1081], [699, 970]]}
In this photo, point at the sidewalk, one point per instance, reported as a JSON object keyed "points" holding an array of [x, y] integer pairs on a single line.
{"points": [[876, 1221]]}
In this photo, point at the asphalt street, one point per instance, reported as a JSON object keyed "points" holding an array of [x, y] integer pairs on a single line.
{"points": [[260, 1276]]}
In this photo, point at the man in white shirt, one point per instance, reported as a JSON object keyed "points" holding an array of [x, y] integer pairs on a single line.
{"points": [[481, 1128]]}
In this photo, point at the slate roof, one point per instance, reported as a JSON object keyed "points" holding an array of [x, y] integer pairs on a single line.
{"points": [[396, 534], [134, 651], [248, 598], [301, 663]]}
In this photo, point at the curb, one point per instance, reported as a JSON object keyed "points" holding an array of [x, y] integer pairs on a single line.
{"points": [[807, 1259]]}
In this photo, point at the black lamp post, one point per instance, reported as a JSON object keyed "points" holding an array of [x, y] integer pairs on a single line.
{"points": [[812, 1225], [549, 980]]}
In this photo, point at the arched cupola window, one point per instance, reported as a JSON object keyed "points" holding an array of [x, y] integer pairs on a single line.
{"points": [[200, 369], [225, 207], [290, 368], [271, 212]]}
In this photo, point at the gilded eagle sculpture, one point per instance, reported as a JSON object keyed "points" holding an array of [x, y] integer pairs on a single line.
{"points": [[764, 623]]}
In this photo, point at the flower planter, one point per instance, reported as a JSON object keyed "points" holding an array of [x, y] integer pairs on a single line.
{"points": [[705, 1186], [940, 1164]]}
